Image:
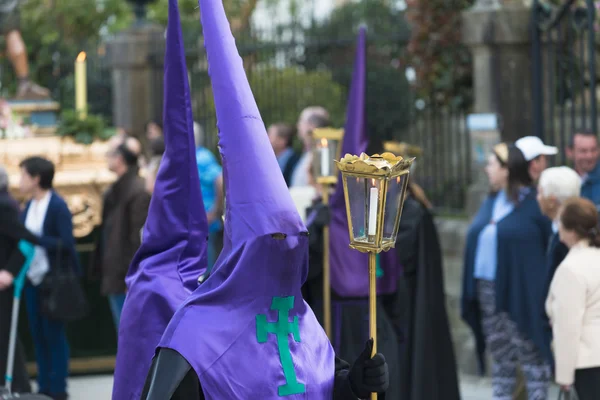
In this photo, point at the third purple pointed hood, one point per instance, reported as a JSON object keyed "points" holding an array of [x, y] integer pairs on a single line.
{"points": [[349, 276]]}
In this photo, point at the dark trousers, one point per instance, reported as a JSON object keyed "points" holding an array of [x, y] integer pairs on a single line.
{"points": [[587, 383], [20, 382], [51, 346]]}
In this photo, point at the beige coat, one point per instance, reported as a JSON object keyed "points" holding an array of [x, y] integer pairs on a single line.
{"points": [[573, 306]]}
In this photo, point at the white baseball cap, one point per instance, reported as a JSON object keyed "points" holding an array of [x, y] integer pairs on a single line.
{"points": [[532, 147]]}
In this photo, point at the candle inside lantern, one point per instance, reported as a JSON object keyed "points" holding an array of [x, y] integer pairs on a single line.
{"points": [[324, 157], [81, 85], [374, 199]]}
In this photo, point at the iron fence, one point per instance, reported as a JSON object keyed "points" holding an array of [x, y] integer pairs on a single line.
{"points": [[564, 70], [289, 71]]}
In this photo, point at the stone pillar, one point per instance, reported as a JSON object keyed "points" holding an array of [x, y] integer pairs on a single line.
{"points": [[500, 41], [136, 59]]}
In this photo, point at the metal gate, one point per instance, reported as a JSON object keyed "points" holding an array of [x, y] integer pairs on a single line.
{"points": [[564, 70]]}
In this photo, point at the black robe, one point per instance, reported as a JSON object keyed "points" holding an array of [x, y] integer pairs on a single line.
{"points": [[349, 316], [418, 310], [171, 377]]}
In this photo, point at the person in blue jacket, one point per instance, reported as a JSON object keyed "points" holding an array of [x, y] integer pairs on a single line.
{"points": [[503, 281], [47, 216]]}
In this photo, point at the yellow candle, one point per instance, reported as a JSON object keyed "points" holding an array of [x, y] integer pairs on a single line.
{"points": [[81, 85]]}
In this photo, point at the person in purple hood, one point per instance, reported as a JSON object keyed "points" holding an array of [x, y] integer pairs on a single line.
{"points": [[245, 332], [349, 274], [166, 267]]}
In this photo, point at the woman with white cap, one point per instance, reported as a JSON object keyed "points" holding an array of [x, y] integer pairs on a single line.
{"points": [[535, 152]]}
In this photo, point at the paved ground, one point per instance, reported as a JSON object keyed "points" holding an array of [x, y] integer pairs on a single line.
{"points": [[99, 388]]}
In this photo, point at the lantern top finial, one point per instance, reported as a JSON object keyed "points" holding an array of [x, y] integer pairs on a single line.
{"points": [[328, 133], [402, 148], [386, 164]]}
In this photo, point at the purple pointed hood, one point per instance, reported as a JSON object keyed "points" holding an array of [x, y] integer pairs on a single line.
{"points": [[258, 199], [349, 276], [223, 328], [355, 139], [165, 269]]}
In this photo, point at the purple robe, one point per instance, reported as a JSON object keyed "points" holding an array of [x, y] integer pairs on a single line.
{"points": [[228, 329], [165, 269], [349, 268]]}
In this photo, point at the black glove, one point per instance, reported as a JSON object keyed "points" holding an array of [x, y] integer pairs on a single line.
{"points": [[369, 375]]}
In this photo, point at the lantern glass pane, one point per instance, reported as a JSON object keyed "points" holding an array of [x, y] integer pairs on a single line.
{"points": [[394, 199], [324, 155], [363, 194]]}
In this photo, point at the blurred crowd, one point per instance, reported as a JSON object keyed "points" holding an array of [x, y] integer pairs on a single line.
{"points": [[530, 285], [531, 293]]}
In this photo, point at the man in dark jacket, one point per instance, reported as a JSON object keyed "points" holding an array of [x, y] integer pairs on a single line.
{"points": [[281, 137], [11, 261], [124, 212]]}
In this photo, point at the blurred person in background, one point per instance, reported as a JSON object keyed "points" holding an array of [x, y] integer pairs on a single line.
{"points": [[124, 211], [153, 130], [48, 217], [505, 257], [211, 182], [157, 148], [310, 119], [573, 304], [11, 261], [583, 153], [281, 137], [555, 186], [154, 142]]}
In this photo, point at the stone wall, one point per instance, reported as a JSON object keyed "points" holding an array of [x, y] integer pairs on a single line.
{"points": [[452, 233]]}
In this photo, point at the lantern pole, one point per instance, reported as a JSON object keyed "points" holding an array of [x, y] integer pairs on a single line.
{"points": [[326, 146], [326, 271], [373, 303], [379, 229]]}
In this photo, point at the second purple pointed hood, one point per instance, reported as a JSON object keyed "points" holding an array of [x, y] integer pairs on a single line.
{"points": [[258, 199], [165, 269]]}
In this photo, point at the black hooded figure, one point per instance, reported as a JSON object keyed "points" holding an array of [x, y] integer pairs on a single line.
{"points": [[418, 309]]}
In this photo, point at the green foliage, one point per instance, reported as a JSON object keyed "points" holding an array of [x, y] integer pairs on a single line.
{"points": [[58, 27], [281, 94], [83, 130], [296, 90], [441, 62], [389, 99]]}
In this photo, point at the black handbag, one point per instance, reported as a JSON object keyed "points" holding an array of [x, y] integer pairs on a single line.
{"points": [[61, 293]]}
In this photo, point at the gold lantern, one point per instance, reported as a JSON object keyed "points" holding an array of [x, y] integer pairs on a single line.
{"points": [[326, 149], [374, 189]]}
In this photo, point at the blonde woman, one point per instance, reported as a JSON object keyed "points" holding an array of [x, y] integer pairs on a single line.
{"points": [[573, 304]]}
